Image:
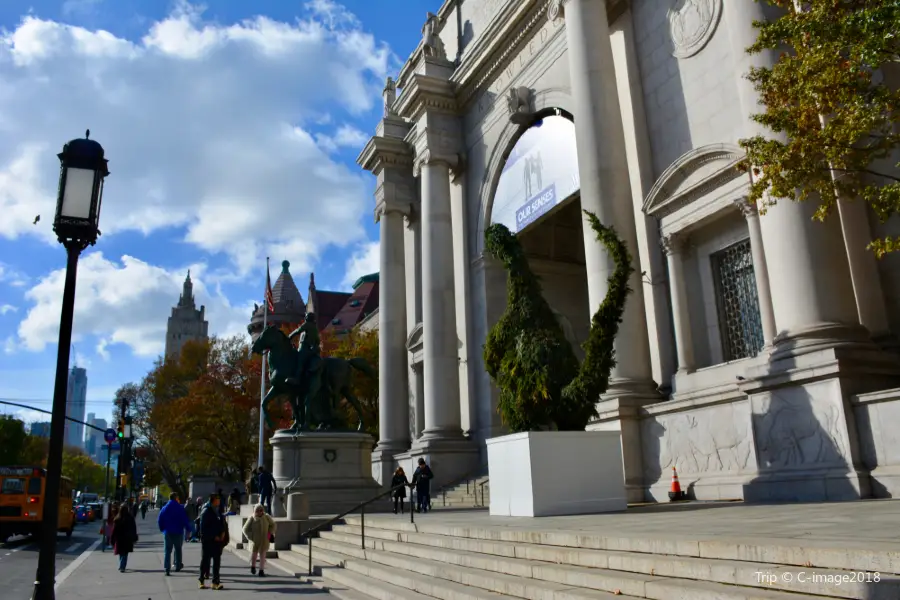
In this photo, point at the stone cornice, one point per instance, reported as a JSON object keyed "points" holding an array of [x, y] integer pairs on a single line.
{"points": [[426, 93], [381, 152]]}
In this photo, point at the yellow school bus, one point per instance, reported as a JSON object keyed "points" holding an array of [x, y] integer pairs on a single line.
{"points": [[22, 494]]}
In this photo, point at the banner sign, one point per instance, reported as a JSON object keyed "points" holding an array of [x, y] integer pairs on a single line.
{"points": [[540, 172]]}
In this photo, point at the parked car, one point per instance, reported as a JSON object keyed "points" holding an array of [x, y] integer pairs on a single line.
{"points": [[83, 514]]}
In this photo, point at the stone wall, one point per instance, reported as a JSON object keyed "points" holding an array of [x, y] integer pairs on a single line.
{"points": [[877, 415]]}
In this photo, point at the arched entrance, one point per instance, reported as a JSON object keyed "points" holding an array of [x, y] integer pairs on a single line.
{"points": [[537, 198]]}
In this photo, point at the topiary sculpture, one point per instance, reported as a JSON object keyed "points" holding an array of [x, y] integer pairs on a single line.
{"points": [[526, 354]]}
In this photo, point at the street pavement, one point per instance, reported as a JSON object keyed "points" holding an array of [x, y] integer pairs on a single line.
{"points": [[19, 557], [84, 572]]}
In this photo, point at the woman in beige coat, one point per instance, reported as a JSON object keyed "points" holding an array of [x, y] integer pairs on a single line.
{"points": [[258, 530]]}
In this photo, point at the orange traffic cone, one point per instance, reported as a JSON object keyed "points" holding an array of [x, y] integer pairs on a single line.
{"points": [[675, 492]]}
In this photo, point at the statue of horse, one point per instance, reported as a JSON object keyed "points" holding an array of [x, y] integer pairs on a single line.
{"points": [[335, 383]]}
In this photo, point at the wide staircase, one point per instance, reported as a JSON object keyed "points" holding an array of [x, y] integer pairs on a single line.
{"points": [[386, 557]]}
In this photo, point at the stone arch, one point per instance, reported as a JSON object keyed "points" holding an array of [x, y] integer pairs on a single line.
{"points": [[543, 100]]}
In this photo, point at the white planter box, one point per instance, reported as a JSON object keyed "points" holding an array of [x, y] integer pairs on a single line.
{"points": [[548, 473]]}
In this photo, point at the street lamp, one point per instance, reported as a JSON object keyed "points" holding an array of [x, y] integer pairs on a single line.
{"points": [[82, 171]]}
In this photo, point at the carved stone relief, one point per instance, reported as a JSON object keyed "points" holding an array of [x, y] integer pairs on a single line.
{"points": [[692, 24], [795, 427], [701, 441], [432, 45], [520, 102]]}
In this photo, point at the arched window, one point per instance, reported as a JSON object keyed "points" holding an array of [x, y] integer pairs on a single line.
{"points": [[540, 174]]}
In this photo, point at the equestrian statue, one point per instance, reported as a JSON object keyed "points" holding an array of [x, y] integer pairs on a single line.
{"points": [[313, 385]]}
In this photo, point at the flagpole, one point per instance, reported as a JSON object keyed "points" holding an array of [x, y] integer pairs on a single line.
{"points": [[262, 377]]}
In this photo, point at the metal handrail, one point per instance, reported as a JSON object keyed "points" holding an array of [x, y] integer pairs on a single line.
{"points": [[481, 485], [468, 478], [361, 507]]}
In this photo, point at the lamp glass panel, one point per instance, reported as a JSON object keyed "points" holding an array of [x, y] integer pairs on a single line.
{"points": [[76, 202]]}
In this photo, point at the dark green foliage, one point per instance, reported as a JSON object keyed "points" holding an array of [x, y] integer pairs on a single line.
{"points": [[526, 353]]}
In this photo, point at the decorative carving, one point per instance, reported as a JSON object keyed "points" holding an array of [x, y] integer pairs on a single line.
{"points": [[428, 157], [792, 430], [747, 208], [691, 25], [519, 100], [432, 45], [457, 170], [555, 9], [390, 97], [672, 243], [713, 440], [329, 455]]}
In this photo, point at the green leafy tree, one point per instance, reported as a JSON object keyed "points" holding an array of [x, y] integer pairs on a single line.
{"points": [[13, 438], [526, 353], [828, 97], [84, 472]]}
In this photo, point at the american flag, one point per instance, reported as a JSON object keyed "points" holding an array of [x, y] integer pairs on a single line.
{"points": [[270, 301]]}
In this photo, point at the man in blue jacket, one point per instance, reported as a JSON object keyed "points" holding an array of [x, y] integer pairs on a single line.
{"points": [[173, 522]]}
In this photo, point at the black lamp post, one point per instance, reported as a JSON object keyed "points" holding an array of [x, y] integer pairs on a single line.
{"points": [[82, 171]]}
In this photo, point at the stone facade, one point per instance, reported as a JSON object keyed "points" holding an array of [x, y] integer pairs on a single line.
{"points": [[756, 352], [186, 322]]}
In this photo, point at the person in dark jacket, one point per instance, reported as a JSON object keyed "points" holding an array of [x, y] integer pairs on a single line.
{"points": [[422, 480], [174, 523], [212, 541], [267, 488], [123, 537], [399, 493]]}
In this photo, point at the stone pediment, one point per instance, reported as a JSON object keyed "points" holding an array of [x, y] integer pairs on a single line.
{"points": [[414, 341], [693, 176]]}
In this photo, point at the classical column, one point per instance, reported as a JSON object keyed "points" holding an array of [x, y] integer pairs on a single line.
{"points": [[440, 343], [812, 295], [605, 182], [760, 270], [393, 395], [673, 246]]}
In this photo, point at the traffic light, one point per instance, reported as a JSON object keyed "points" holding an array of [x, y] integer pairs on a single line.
{"points": [[121, 432], [123, 480]]}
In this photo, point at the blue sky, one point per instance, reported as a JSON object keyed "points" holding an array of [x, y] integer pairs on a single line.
{"points": [[232, 129]]}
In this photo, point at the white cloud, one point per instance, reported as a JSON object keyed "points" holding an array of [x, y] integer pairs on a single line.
{"points": [[7, 308], [11, 276], [206, 126], [9, 345], [126, 302], [346, 136], [364, 261]]}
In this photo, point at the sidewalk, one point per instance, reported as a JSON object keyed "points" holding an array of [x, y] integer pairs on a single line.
{"points": [[98, 577]]}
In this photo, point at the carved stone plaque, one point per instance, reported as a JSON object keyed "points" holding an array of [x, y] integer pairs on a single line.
{"points": [[691, 25]]}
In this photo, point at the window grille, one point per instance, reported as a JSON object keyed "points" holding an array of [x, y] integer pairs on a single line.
{"points": [[737, 302]]}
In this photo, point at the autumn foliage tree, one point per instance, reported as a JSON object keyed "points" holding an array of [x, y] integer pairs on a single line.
{"points": [[833, 96], [362, 344]]}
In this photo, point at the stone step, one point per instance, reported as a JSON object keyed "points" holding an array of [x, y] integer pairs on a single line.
{"points": [[872, 557], [599, 569], [418, 576]]}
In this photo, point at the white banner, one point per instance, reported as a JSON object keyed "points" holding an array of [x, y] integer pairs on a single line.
{"points": [[540, 173]]}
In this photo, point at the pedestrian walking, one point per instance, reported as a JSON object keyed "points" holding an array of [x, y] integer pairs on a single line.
{"points": [[422, 480], [107, 526], [123, 537], [213, 538], [174, 523], [144, 508], [260, 530], [399, 494], [267, 488]]}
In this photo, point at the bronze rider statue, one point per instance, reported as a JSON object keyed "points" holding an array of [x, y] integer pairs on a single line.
{"points": [[309, 358]]}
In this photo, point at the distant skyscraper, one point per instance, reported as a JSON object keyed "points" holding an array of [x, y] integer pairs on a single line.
{"points": [[186, 322], [41, 429], [94, 444], [76, 401]]}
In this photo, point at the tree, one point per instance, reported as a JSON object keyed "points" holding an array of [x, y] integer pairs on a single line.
{"points": [[86, 475], [362, 344], [829, 97], [526, 353], [13, 439]]}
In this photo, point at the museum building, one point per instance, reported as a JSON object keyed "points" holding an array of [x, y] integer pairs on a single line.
{"points": [[757, 352]]}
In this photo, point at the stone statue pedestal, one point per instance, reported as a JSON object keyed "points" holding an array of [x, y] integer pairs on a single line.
{"points": [[332, 469]]}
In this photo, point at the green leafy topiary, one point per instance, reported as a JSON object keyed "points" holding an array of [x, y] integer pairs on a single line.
{"points": [[526, 353]]}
